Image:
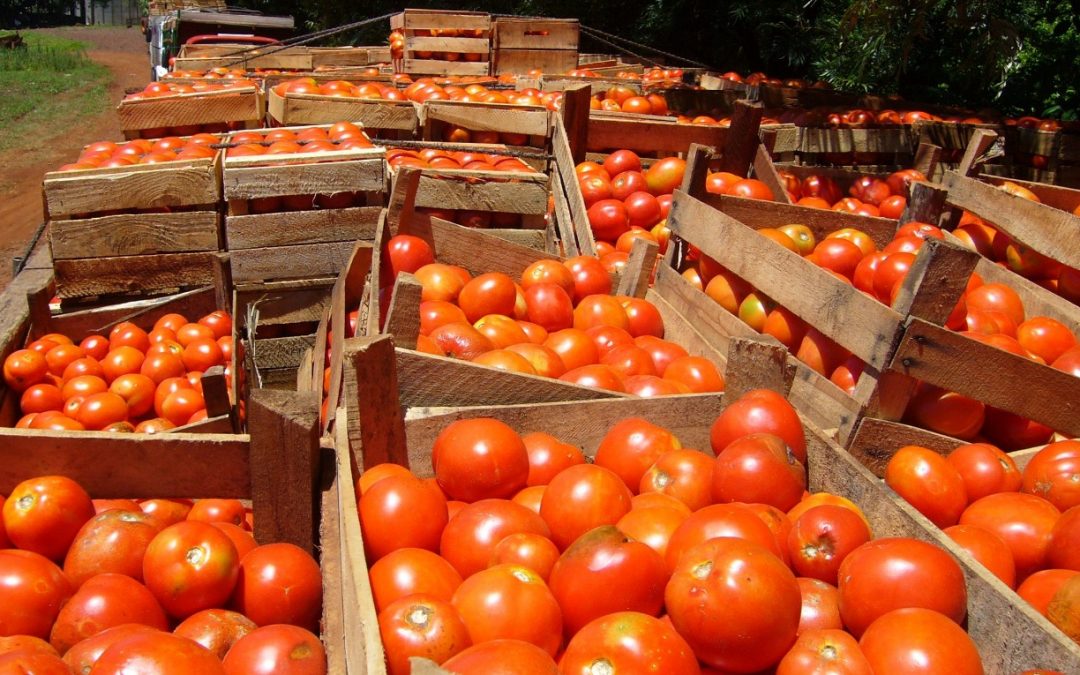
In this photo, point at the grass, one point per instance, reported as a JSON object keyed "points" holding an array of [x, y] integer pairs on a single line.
{"points": [[47, 86]]}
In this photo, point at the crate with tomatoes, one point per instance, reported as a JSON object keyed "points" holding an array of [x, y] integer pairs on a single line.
{"points": [[435, 42], [380, 107], [180, 109]]}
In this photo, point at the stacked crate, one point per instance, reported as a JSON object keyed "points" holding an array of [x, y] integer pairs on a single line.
{"points": [[444, 42]]}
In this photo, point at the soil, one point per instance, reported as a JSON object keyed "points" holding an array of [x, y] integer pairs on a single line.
{"points": [[124, 52]]}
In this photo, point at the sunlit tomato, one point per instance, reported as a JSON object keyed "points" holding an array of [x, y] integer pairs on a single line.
{"points": [[643, 317], [759, 469], [502, 657], [44, 514], [665, 176], [215, 629], [652, 525], [491, 293], [642, 209], [735, 603], [470, 538], [179, 406], [627, 183], [720, 182], [751, 188], [548, 456], [165, 512], [1064, 549], [190, 566], [720, 520], [594, 188], [82, 657], [574, 347], [606, 558], [821, 538], [439, 313], [928, 482], [40, 398], [682, 474], [698, 373], [129, 335], [112, 541], [408, 254], [628, 642], [25, 367], [824, 651], [279, 583], [527, 549], [820, 605], [886, 574], [589, 277], [550, 306], [608, 219], [501, 330], [785, 326], [889, 272], [1053, 474], [420, 626], [399, 512], [1040, 588], [581, 498], [987, 548], [838, 255], [985, 470], [202, 354], [631, 446], [548, 272], [492, 602], [408, 571], [461, 340], [916, 640], [759, 411], [946, 412], [440, 282], [98, 411], [663, 352], [478, 459], [32, 594], [105, 601], [33, 661], [1045, 337], [285, 649], [997, 297]]}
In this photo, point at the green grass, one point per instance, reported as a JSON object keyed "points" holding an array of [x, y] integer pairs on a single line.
{"points": [[47, 83]]}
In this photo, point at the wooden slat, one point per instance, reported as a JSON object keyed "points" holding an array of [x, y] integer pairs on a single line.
{"points": [[280, 353], [1037, 300], [500, 117], [301, 227], [306, 260], [331, 559], [757, 364], [328, 177], [613, 131], [875, 441], [433, 67], [376, 432], [564, 163], [503, 192], [130, 234], [738, 155], [536, 33], [144, 186], [1064, 198], [515, 61], [132, 274], [765, 171], [315, 109], [210, 107], [635, 279], [403, 317], [895, 140], [473, 249]]}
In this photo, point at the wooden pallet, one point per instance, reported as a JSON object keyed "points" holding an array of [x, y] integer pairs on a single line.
{"points": [[532, 122], [374, 115], [548, 45], [418, 25], [158, 116]]}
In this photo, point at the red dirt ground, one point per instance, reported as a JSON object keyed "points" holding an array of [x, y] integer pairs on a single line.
{"points": [[123, 51]]}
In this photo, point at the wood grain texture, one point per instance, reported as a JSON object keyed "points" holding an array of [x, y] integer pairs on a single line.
{"points": [[522, 60], [403, 317], [635, 279], [475, 250], [434, 67], [926, 204], [331, 562], [211, 107], [738, 154], [936, 282], [536, 33], [1057, 196], [281, 303], [575, 119], [376, 432], [875, 441], [614, 130], [290, 262], [347, 294], [894, 140], [327, 177], [147, 186], [133, 274], [927, 159], [499, 117], [683, 331], [295, 109], [765, 171], [131, 234], [716, 324], [757, 364], [978, 143], [564, 163], [301, 227], [281, 353], [510, 193], [144, 313]]}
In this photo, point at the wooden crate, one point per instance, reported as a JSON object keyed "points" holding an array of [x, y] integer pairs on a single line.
{"points": [[530, 123], [649, 134], [869, 145], [148, 228], [1010, 635], [422, 28], [294, 245], [158, 116], [348, 57], [399, 117], [245, 57], [548, 45]]}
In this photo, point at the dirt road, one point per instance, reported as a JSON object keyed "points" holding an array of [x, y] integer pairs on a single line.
{"points": [[123, 51]]}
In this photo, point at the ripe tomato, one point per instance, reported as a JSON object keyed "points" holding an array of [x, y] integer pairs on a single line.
{"points": [[284, 649], [32, 594], [736, 521], [105, 601], [594, 188], [165, 512], [916, 640], [25, 367], [112, 541], [219, 322], [758, 469], [527, 549], [820, 605], [886, 574], [627, 183], [985, 470], [631, 446], [1064, 549], [44, 514], [751, 188], [408, 254], [663, 352], [581, 498], [988, 549], [492, 602], [824, 651], [945, 412], [928, 482], [422, 626], [550, 306], [628, 642], [643, 318], [217, 511], [683, 474], [1045, 337], [595, 376], [542, 359], [642, 210], [607, 558], [735, 603], [759, 411], [491, 293], [480, 459], [399, 512], [698, 373], [469, 540], [502, 657], [202, 354], [574, 348], [548, 456], [1023, 521], [1040, 588], [600, 310], [652, 525], [409, 571], [190, 566], [461, 340], [997, 297], [279, 583], [665, 176], [548, 272], [822, 538], [216, 629], [622, 160], [608, 219], [1054, 474], [32, 661], [589, 277], [440, 282], [137, 391], [179, 406]]}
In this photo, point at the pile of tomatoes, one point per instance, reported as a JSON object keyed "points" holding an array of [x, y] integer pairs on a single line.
{"points": [[559, 322], [624, 99], [745, 570], [1023, 526], [867, 196], [621, 196], [130, 381], [432, 158], [109, 154], [428, 89], [159, 89], [339, 89], [158, 586]]}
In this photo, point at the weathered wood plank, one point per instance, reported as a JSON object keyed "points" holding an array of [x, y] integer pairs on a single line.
{"points": [[132, 274], [131, 234], [301, 227]]}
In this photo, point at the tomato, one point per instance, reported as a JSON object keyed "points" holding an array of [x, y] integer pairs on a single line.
{"points": [[652, 525], [682, 474], [1012, 431], [25, 643], [594, 188], [663, 352], [1023, 521], [440, 282], [595, 376], [1062, 609], [408, 571], [202, 354], [735, 603], [928, 482], [550, 306], [279, 583], [216, 629], [997, 297], [33, 663], [751, 188], [137, 392], [643, 317], [502, 657], [916, 640], [479, 459], [420, 626], [469, 540], [219, 322], [838, 255], [105, 601], [719, 521], [548, 272], [179, 406], [620, 161], [589, 277], [1064, 549], [581, 498], [642, 210], [399, 512], [1045, 337], [985, 470], [600, 310], [491, 293], [548, 456], [889, 573], [606, 558], [279, 649], [33, 591], [786, 327], [759, 411], [627, 183], [758, 468], [492, 602], [437, 313], [25, 367], [608, 219], [527, 549], [890, 272], [1041, 587], [821, 538], [824, 651], [988, 549], [165, 512], [945, 412], [461, 340], [543, 360], [44, 514], [698, 373], [190, 566], [665, 176], [820, 605], [408, 254], [1054, 474], [631, 446], [628, 642], [82, 657], [112, 541]]}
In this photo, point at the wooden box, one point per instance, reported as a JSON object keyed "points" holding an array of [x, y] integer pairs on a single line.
{"points": [[524, 125], [244, 57], [158, 116], [547, 45], [348, 57], [463, 36], [863, 145], [400, 117]]}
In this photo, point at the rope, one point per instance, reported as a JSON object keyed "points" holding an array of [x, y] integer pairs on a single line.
{"points": [[588, 33], [593, 32], [301, 39]]}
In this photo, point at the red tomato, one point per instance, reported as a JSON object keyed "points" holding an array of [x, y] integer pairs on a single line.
{"points": [[642, 210], [1023, 521], [44, 514], [527, 549], [735, 603], [822, 537], [606, 558], [409, 571], [665, 176], [631, 446], [589, 277], [759, 411], [751, 188], [32, 594], [32, 662], [1045, 337], [985, 470], [492, 602], [399, 512], [1064, 549], [408, 254], [663, 352], [422, 626], [112, 541], [502, 657], [916, 640], [190, 566], [929, 483], [608, 219], [469, 540], [886, 574], [284, 649], [698, 373], [581, 498], [216, 629], [820, 605], [440, 282], [652, 525], [82, 657], [1053, 473], [600, 310], [719, 521], [165, 512], [548, 456], [550, 306], [628, 642], [105, 601], [1040, 588], [622, 160], [761, 469], [682, 474], [824, 651], [491, 293], [987, 548], [643, 318], [480, 459], [279, 583], [217, 511]]}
